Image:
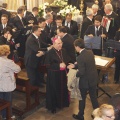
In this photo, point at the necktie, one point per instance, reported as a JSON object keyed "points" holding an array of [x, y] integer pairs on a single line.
{"points": [[4, 26], [67, 24], [22, 22], [38, 43], [97, 31], [49, 25]]}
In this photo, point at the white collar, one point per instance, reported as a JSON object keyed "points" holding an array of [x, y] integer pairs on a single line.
{"points": [[97, 28], [5, 24], [109, 13], [64, 35], [81, 50], [20, 17], [33, 14], [89, 18], [35, 35]]}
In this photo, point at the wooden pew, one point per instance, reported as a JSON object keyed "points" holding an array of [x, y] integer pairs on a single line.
{"points": [[5, 105], [23, 85]]}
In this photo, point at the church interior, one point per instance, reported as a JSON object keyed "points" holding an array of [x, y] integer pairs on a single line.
{"points": [[29, 102]]}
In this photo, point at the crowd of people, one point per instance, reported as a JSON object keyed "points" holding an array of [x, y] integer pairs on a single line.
{"points": [[58, 44]]}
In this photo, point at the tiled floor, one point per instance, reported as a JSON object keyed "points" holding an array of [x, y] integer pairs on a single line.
{"points": [[41, 113]]}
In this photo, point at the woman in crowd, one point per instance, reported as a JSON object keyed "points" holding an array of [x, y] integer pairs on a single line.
{"points": [[7, 79], [104, 112], [7, 39]]}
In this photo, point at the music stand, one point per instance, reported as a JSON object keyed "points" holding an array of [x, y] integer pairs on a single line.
{"points": [[104, 68]]}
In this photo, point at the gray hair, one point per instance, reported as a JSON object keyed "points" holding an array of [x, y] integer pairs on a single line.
{"points": [[89, 12], [95, 6], [109, 7], [48, 16]]}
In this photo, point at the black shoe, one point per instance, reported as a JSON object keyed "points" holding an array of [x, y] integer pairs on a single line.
{"points": [[77, 117], [53, 111]]}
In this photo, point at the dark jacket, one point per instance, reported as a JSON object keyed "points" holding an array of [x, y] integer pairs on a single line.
{"points": [[34, 19], [91, 30], [32, 48], [73, 30], [3, 11], [87, 69], [86, 22], [68, 41], [114, 25]]}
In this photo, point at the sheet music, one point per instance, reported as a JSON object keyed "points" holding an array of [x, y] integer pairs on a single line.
{"points": [[92, 43], [100, 62]]}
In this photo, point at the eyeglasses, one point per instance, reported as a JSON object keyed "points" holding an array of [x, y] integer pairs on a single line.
{"points": [[111, 117]]}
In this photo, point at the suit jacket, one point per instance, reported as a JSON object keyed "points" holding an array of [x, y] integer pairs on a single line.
{"points": [[3, 11], [26, 16], [114, 25], [21, 26], [86, 22], [117, 36], [87, 69], [91, 30], [73, 30], [69, 47], [31, 17], [43, 39], [8, 25], [32, 48], [47, 32]]}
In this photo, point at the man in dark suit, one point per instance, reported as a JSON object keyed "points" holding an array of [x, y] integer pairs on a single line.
{"points": [[33, 53], [4, 11], [71, 24], [87, 73], [4, 24], [26, 13], [43, 36], [49, 20], [86, 22], [114, 24], [32, 18], [97, 30], [22, 29], [48, 10], [58, 23], [96, 10], [67, 40]]}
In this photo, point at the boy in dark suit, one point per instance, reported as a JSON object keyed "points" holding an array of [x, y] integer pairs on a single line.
{"points": [[96, 30], [87, 73]]}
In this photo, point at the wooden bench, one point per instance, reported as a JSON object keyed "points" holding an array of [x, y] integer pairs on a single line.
{"points": [[5, 105], [23, 84]]}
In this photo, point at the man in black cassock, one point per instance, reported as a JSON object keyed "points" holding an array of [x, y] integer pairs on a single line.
{"points": [[56, 89]]}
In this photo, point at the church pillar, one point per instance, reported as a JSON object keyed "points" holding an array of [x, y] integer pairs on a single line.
{"points": [[14, 4]]}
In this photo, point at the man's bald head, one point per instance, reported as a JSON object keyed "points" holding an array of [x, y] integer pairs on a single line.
{"points": [[57, 43]]}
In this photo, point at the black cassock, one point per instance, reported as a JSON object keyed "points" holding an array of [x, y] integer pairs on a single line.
{"points": [[56, 89]]}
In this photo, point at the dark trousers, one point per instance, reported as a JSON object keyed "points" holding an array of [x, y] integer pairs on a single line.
{"points": [[34, 76], [93, 97], [8, 97], [117, 66]]}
